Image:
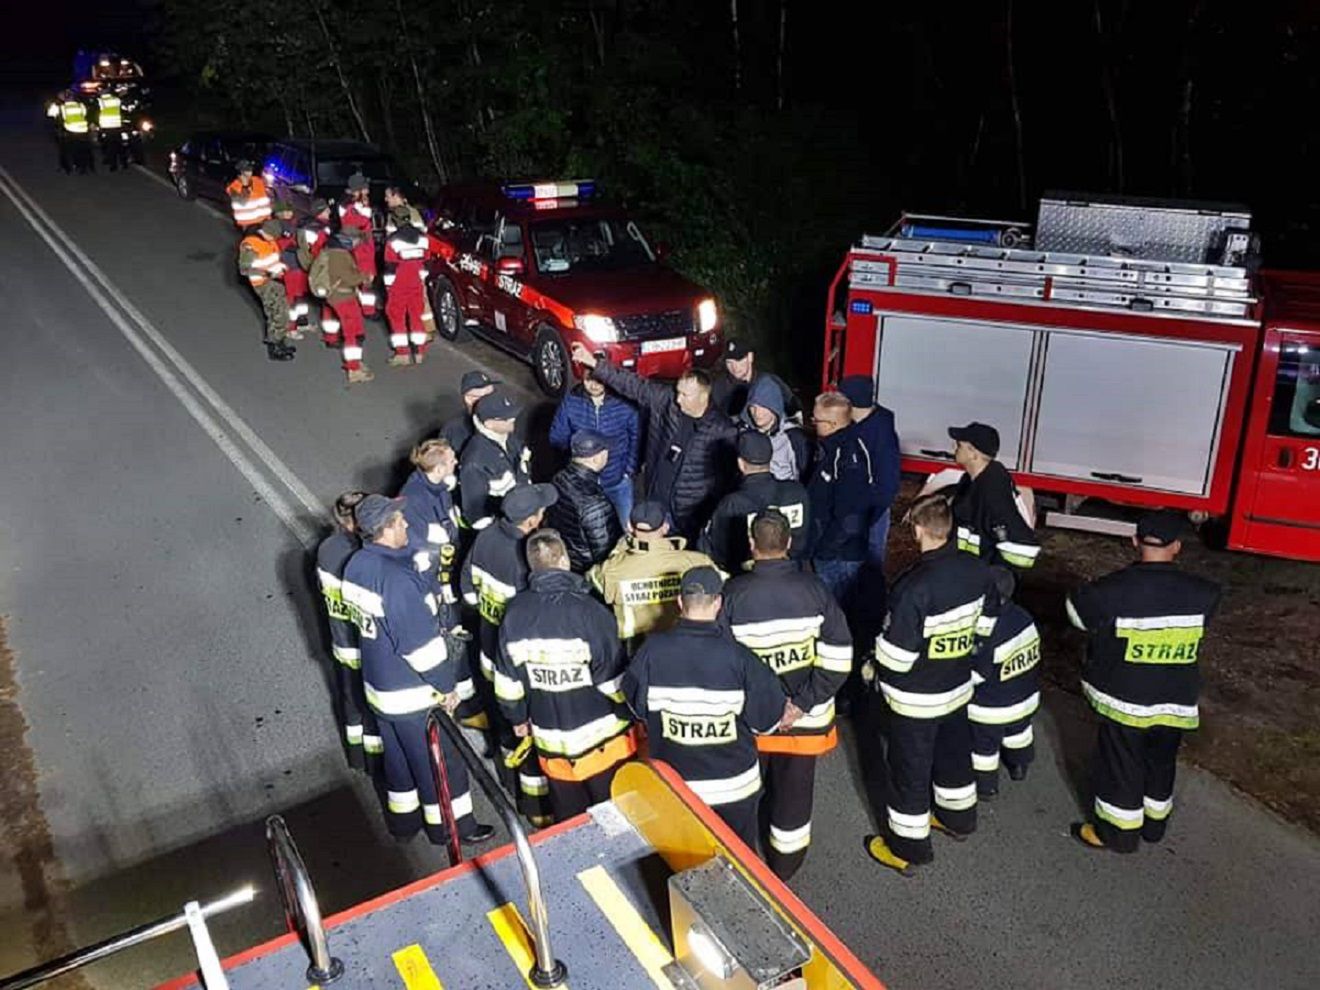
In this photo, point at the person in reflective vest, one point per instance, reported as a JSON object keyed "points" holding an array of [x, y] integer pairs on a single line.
{"points": [[408, 668], [557, 679], [1145, 626], [110, 130], [940, 611], [985, 502], [260, 262], [411, 323], [68, 115], [248, 198], [357, 214], [790, 620], [361, 733]]}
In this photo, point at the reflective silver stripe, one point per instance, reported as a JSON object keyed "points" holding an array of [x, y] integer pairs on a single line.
{"points": [[466, 689], [831, 656], [329, 324], [726, 790], [1140, 716], [921, 705], [571, 742], [347, 655], [1020, 740], [894, 657], [954, 620], [1006, 649], [1126, 819], [1018, 554], [482, 578], [550, 651], [909, 826], [774, 632], [404, 701], [435, 533], [462, 804], [328, 581], [1004, 714], [352, 353], [402, 802], [819, 717], [398, 340], [955, 798], [533, 784], [1162, 622], [428, 656], [1073, 617], [365, 599], [502, 485], [508, 688], [985, 625], [985, 764], [693, 700], [1156, 809], [790, 840]]}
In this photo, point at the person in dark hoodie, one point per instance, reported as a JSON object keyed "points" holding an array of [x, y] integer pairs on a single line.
{"points": [[791, 451], [874, 425]]}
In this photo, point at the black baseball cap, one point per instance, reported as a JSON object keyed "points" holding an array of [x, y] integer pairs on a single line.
{"points": [[318, 206], [476, 379], [859, 390], [755, 447], [588, 443], [648, 514], [984, 438], [497, 405], [1159, 529], [736, 350], [702, 580], [525, 501], [375, 511]]}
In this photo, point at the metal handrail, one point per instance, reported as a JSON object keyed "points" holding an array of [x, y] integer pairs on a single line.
{"points": [[302, 912], [126, 940], [546, 971]]}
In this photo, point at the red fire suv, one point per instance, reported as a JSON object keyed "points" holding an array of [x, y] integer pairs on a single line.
{"points": [[534, 267]]}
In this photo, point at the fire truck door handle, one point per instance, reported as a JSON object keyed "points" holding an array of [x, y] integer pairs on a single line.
{"points": [[943, 455], [960, 288], [1284, 458], [1126, 479]]}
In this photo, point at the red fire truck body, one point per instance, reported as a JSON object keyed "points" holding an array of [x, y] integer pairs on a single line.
{"points": [[1130, 354]]}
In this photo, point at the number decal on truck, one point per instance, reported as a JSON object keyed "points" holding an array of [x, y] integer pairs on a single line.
{"points": [[1311, 459]]}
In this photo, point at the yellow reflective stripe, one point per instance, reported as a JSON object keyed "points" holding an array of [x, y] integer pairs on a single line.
{"points": [[637, 935], [512, 931], [508, 688], [1125, 819], [415, 969]]}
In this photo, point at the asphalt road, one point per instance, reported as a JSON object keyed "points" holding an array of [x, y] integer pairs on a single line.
{"points": [[161, 484]]}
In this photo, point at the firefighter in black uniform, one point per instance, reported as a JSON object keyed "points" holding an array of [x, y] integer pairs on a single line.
{"points": [[557, 678], [474, 386], [985, 502], [361, 734], [789, 619], [939, 612], [493, 572], [704, 698], [1145, 625], [493, 461], [1007, 675], [726, 536]]}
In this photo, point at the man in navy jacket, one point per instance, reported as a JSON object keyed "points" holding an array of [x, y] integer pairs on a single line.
{"points": [[591, 406], [874, 425]]}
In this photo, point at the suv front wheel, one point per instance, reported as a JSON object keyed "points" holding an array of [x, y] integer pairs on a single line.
{"points": [[448, 313], [550, 362], [183, 185]]}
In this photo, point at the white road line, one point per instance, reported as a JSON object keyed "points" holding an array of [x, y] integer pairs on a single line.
{"points": [[106, 296], [204, 207]]}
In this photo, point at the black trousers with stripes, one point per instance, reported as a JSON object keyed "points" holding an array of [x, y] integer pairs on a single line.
{"points": [[411, 799], [361, 730], [1010, 744], [929, 756], [790, 783], [569, 798], [1132, 774]]}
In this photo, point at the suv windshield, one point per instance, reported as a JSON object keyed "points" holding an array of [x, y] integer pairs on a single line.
{"points": [[596, 244], [335, 171]]}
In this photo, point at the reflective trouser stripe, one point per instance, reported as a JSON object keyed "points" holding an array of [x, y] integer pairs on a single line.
{"points": [[353, 734], [955, 798], [1157, 809], [909, 826], [1020, 740], [985, 763], [1126, 819], [374, 745], [790, 840], [402, 802]]}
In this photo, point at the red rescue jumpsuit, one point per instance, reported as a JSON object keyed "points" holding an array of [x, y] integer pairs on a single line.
{"points": [[312, 237], [295, 278], [410, 319], [356, 214]]}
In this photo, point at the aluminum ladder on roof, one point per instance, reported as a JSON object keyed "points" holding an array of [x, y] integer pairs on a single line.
{"points": [[1098, 281]]}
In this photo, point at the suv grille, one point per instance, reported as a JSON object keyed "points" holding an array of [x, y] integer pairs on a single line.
{"points": [[650, 326]]}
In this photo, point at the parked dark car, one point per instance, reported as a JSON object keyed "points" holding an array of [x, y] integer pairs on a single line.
{"points": [[205, 163], [299, 170]]}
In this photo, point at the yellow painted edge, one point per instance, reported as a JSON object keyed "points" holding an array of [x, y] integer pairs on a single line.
{"points": [[512, 931], [628, 922], [415, 969]]}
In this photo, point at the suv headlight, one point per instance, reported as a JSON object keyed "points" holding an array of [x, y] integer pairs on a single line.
{"points": [[707, 315], [600, 329]]}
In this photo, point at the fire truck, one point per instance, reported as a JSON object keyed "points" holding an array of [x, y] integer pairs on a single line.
{"points": [[1130, 352], [535, 267]]}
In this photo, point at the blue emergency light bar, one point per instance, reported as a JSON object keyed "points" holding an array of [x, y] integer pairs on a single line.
{"points": [[573, 189]]}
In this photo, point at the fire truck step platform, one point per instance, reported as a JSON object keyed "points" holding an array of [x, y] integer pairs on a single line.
{"points": [[615, 919]]}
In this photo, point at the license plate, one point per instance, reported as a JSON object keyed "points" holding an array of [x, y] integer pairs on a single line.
{"points": [[664, 346]]}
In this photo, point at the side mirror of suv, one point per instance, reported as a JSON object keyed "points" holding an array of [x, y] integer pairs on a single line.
{"points": [[509, 266]]}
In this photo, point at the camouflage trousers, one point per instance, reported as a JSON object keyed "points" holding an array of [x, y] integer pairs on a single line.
{"points": [[276, 310]]}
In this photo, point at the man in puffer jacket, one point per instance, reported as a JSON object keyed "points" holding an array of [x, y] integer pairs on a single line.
{"points": [[689, 443], [591, 406], [584, 515], [791, 451]]}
